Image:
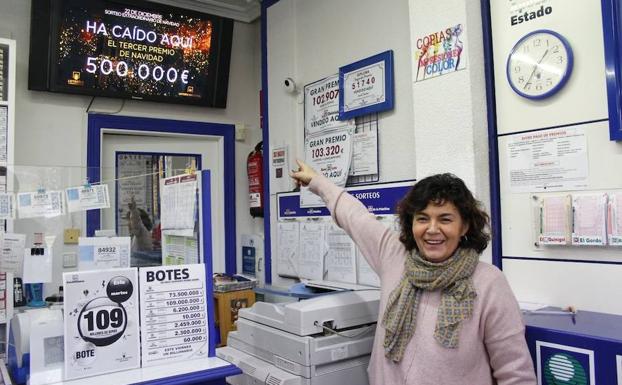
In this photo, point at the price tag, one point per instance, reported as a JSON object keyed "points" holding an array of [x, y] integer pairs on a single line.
{"points": [[101, 322], [173, 313]]}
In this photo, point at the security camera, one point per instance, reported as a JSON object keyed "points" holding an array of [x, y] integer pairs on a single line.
{"points": [[289, 85]]}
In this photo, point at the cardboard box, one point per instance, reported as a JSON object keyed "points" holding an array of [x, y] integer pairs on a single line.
{"points": [[227, 305]]}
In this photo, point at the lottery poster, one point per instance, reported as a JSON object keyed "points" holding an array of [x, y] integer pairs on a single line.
{"points": [[101, 322], [173, 314]]}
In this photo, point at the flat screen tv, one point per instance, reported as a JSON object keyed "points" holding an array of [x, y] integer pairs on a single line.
{"points": [[130, 49]]}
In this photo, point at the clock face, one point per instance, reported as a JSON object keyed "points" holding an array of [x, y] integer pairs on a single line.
{"points": [[539, 64]]}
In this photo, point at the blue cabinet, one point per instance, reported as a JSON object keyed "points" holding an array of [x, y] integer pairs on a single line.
{"points": [[582, 350]]}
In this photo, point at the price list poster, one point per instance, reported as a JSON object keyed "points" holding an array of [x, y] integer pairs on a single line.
{"points": [[101, 322], [173, 314]]}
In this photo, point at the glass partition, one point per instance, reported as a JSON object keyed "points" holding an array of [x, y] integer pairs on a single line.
{"points": [[50, 206]]}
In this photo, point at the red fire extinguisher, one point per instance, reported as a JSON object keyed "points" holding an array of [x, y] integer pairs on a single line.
{"points": [[254, 168]]}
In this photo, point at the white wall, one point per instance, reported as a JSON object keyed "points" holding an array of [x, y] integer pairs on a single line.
{"points": [[438, 125], [51, 128], [549, 274], [309, 40], [451, 131]]}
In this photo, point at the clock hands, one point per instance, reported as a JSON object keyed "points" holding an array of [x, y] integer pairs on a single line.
{"points": [[535, 67]]}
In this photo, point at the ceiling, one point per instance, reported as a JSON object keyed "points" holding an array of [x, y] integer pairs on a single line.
{"points": [[241, 10]]}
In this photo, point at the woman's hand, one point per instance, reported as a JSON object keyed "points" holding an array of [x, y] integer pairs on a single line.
{"points": [[304, 174]]}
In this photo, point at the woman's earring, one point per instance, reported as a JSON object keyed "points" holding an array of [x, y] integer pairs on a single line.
{"points": [[464, 239]]}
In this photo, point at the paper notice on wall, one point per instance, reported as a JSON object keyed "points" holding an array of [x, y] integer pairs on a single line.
{"points": [[4, 124], [329, 154], [288, 235], [173, 314], [551, 160], [101, 322], [312, 251], [279, 169], [365, 152], [12, 253], [365, 274], [178, 198], [589, 220], [340, 256]]}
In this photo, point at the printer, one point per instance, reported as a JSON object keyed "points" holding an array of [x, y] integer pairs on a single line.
{"points": [[21, 361], [326, 340]]}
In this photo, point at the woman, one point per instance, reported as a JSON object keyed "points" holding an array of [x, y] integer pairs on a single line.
{"points": [[445, 318]]}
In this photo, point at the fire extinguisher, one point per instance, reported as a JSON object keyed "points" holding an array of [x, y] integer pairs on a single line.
{"points": [[254, 168]]}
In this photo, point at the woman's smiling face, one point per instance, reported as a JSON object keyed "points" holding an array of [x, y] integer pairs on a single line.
{"points": [[437, 231]]}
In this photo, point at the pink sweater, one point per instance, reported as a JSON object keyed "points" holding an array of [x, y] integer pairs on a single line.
{"points": [[492, 347]]}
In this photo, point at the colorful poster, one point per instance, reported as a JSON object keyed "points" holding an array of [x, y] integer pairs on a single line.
{"points": [[440, 53], [101, 322], [173, 314]]}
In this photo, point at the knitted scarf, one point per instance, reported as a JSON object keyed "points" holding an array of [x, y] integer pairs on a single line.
{"points": [[453, 277]]}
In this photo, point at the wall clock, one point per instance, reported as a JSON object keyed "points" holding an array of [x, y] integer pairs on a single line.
{"points": [[539, 64]]}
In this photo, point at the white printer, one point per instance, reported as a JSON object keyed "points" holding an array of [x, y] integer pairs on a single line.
{"points": [[292, 343]]}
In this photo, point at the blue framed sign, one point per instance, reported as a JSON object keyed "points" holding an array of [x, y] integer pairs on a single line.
{"points": [[380, 199], [366, 86], [612, 35]]}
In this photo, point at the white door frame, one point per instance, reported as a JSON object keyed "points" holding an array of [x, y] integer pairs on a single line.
{"points": [[98, 124]]}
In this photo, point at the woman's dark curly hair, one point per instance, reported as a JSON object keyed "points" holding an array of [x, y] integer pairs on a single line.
{"points": [[439, 189]]}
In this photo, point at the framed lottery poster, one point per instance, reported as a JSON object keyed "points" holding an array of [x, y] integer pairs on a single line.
{"points": [[366, 86]]}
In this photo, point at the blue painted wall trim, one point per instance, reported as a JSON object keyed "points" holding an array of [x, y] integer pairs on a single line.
{"points": [[612, 17], [493, 151], [206, 215], [98, 122], [266, 138]]}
